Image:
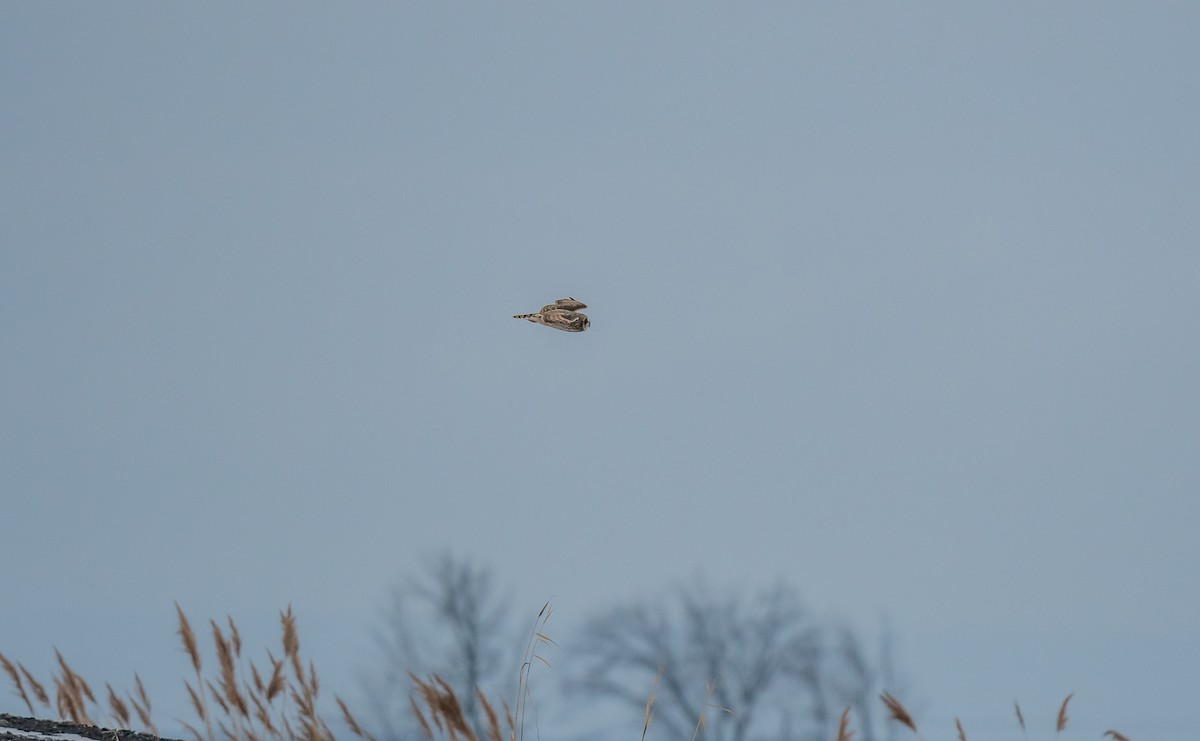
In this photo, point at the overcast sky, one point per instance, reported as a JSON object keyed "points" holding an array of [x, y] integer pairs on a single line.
{"points": [[896, 302]]}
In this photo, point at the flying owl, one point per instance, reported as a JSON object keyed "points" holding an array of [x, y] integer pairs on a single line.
{"points": [[562, 314]]}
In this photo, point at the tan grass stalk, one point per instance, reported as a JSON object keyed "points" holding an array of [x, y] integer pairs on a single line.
{"points": [[311, 725], [299, 699], [228, 681], [259, 687], [493, 722], [11, 671], [119, 709], [234, 637], [650, 701], [291, 654], [962, 736], [429, 697], [844, 733], [1062, 714], [537, 637], [264, 717], [276, 684], [197, 702], [69, 701], [188, 727], [313, 683], [38, 690], [62, 703], [508, 717], [216, 695], [702, 722], [141, 705], [355, 728], [189, 639], [80, 686], [1116, 736], [426, 731], [452, 709], [444, 708], [1020, 718], [70, 690], [898, 713], [192, 649], [291, 642], [258, 709], [311, 721]]}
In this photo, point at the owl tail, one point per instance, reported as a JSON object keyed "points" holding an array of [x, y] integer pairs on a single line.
{"points": [[531, 317]]}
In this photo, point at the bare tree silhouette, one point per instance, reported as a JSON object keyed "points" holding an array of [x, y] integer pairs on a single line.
{"points": [[752, 665], [446, 619]]}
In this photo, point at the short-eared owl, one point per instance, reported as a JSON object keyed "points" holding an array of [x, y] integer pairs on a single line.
{"points": [[562, 314]]}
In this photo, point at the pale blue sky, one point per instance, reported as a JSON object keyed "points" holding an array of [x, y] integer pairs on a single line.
{"points": [[895, 301]]}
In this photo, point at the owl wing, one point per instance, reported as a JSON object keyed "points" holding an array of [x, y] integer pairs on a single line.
{"points": [[566, 304], [568, 321]]}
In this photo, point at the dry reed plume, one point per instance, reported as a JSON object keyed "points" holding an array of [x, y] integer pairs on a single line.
{"points": [[243, 705], [701, 723], [12, 673], [281, 702], [898, 713], [1062, 715], [437, 709], [650, 701], [443, 709], [537, 638], [844, 733]]}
